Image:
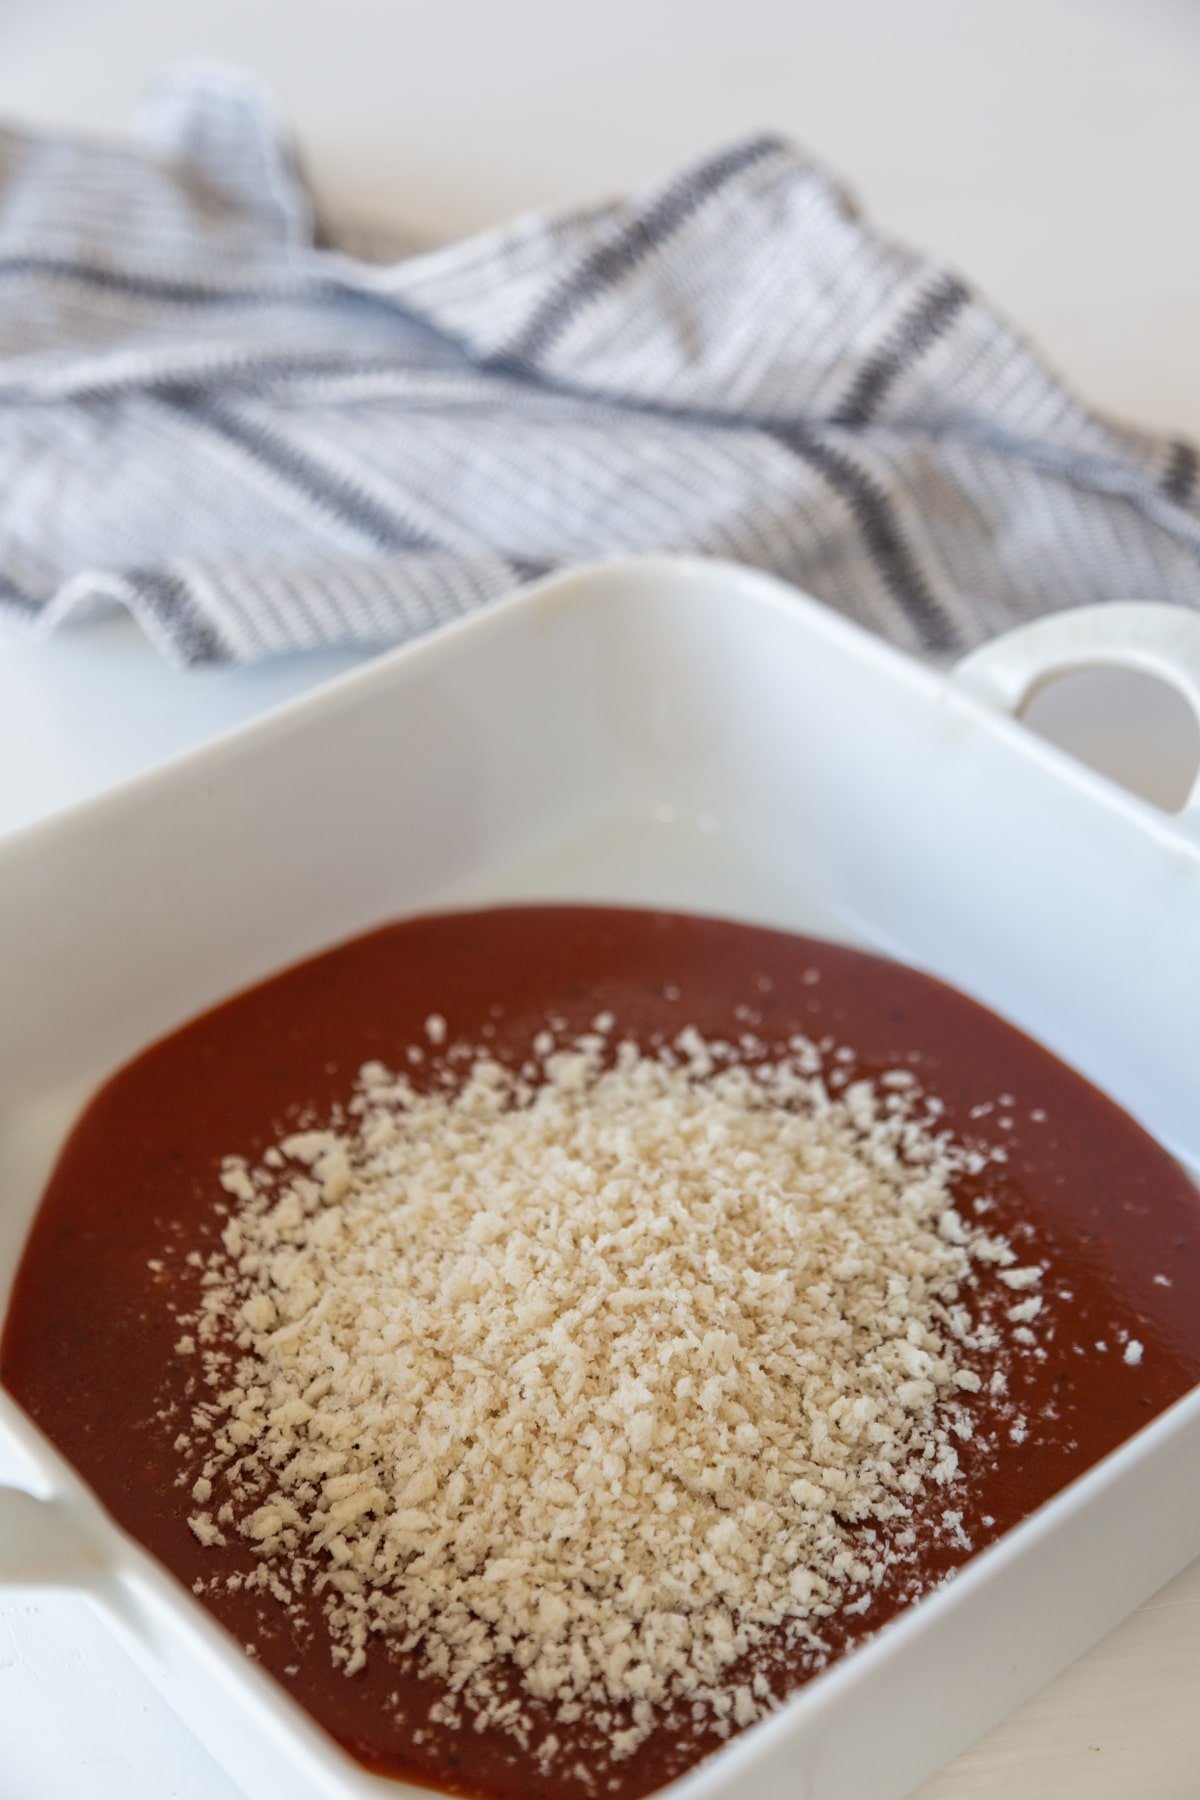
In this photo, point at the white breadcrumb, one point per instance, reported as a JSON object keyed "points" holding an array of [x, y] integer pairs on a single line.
{"points": [[607, 1375]]}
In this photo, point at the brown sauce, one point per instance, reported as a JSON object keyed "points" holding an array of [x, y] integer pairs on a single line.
{"points": [[88, 1347]]}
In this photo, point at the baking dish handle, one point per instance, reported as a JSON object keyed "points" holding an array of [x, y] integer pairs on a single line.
{"points": [[43, 1544], [1126, 634]]}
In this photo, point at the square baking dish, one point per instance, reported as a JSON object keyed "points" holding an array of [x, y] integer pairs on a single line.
{"points": [[657, 732]]}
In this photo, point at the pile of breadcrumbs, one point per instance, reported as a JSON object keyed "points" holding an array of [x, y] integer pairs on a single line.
{"points": [[606, 1371]]}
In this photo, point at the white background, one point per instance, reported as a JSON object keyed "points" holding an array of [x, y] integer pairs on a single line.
{"points": [[1048, 148]]}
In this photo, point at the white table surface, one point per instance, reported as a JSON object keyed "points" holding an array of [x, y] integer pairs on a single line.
{"points": [[1050, 148]]}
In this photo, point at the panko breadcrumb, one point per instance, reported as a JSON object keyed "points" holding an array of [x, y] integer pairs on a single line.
{"points": [[604, 1372]]}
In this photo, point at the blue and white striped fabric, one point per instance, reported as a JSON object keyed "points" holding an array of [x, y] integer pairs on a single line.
{"points": [[258, 441]]}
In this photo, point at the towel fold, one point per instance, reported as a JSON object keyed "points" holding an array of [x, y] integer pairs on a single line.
{"points": [[259, 441]]}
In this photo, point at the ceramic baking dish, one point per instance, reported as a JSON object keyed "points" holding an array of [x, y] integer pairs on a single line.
{"points": [[658, 732]]}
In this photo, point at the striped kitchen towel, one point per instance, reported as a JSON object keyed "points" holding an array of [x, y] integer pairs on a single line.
{"points": [[257, 439]]}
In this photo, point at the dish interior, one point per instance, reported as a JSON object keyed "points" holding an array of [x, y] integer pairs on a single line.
{"points": [[625, 1293]]}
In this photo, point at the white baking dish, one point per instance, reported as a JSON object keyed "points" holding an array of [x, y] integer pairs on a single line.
{"points": [[658, 732]]}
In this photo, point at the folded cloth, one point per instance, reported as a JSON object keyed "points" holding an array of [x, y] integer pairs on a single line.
{"points": [[258, 441]]}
